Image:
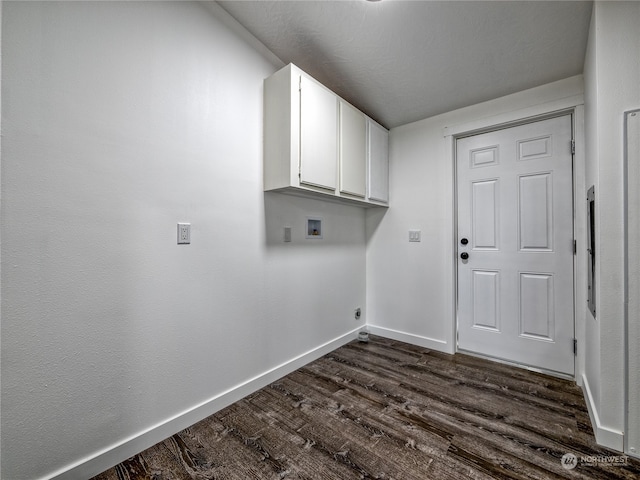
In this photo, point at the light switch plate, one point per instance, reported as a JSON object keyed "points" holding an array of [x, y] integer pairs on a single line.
{"points": [[287, 234], [415, 235]]}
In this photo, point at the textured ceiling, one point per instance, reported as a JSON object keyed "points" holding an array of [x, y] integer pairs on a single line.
{"points": [[401, 61]]}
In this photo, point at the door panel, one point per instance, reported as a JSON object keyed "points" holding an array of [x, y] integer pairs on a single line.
{"points": [[534, 148], [535, 201], [318, 135], [536, 306], [486, 301], [484, 215], [378, 161], [515, 289], [484, 157], [353, 154]]}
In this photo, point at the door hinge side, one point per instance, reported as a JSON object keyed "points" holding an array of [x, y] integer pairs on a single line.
{"points": [[573, 147], [575, 346]]}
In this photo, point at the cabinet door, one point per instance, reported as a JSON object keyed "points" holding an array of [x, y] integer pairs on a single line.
{"points": [[378, 159], [318, 135], [353, 151]]}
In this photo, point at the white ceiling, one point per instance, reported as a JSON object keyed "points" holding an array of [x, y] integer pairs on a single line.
{"points": [[401, 61]]}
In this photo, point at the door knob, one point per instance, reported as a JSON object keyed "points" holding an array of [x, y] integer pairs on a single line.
{"points": [[464, 255], [464, 241]]}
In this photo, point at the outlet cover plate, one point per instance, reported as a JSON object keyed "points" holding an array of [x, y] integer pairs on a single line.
{"points": [[184, 233]]}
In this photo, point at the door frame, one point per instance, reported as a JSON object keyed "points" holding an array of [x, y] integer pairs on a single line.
{"points": [[573, 106], [632, 302]]}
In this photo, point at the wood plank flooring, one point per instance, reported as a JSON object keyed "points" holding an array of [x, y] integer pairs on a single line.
{"points": [[393, 411]]}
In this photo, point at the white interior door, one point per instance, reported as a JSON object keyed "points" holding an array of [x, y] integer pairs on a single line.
{"points": [[515, 226]]}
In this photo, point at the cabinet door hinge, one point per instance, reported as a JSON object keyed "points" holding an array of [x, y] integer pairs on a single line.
{"points": [[573, 147], [575, 346]]}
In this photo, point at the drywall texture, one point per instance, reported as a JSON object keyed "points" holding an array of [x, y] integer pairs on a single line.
{"points": [[421, 275], [612, 74], [119, 120]]}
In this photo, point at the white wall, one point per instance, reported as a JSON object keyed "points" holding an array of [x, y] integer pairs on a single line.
{"points": [[591, 375], [411, 286], [612, 85], [119, 120]]}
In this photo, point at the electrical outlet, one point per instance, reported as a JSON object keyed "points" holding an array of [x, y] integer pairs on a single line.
{"points": [[184, 233], [358, 313]]}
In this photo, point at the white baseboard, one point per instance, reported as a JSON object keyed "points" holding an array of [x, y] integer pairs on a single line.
{"points": [[426, 342], [607, 437], [115, 454], [110, 456]]}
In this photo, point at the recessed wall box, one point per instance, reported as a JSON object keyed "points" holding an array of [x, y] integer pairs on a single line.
{"points": [[314, 227]]}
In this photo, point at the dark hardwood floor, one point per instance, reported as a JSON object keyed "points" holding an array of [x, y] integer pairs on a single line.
{"points": [[389, 410]]}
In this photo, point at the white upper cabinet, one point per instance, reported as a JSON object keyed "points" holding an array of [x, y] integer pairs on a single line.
{"points": [[378, 162], [316, 144], [353, 151], [318, 135]]}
